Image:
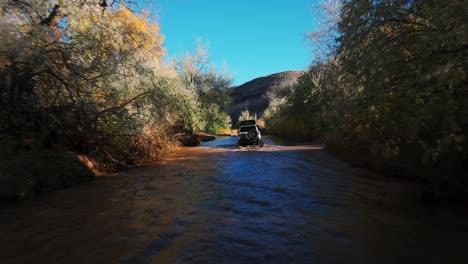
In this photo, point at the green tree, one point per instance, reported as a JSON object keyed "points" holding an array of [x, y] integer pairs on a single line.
{"points": [[245, 115], [391, 89], [216, 119], [209, 89]]}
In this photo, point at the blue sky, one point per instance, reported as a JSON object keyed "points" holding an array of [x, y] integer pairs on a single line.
{"points": [[253, 38]]}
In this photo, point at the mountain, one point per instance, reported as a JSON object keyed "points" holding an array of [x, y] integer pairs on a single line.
{"points": [[257, 94]]}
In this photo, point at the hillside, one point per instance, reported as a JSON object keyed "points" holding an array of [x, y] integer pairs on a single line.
{"points": [[257, 94]]}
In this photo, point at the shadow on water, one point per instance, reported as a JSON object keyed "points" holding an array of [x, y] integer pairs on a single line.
{"points": [[220, 203]]}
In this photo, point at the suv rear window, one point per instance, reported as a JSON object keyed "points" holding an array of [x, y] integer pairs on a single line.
{"points": [[247, 128]]}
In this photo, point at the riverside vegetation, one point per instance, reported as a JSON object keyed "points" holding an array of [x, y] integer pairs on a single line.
{"points": [[390, 91], [88, 78]]}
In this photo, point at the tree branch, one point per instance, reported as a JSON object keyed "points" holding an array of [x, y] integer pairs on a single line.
{"points": [[48, 20], [122, 105]]}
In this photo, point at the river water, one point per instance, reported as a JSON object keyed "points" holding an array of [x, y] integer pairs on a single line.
{"points": [[219, 203]]}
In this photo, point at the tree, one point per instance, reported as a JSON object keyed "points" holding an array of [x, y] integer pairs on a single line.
{"points": [[209, 89], [81, 72], [323, 39], [245, 115], [216, 119], [391, 89]]}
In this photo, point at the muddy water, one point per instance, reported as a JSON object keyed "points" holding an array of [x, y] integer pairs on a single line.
{"points": [[223, 204]]}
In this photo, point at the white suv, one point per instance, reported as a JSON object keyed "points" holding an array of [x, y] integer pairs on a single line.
{"points": [[249, 133]]}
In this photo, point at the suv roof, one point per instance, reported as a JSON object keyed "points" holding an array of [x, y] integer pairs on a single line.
{"points": [[248, 123]]}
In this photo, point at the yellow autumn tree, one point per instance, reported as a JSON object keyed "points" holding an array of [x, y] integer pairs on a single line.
{"points": [[139, 33]]}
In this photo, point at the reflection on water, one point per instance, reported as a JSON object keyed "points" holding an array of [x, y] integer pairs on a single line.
{"points": [[220, 203]]}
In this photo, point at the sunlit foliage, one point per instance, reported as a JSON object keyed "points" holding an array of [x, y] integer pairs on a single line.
{"points": [[89, 76], [245, 115], [210, 92], [392, 91]]}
